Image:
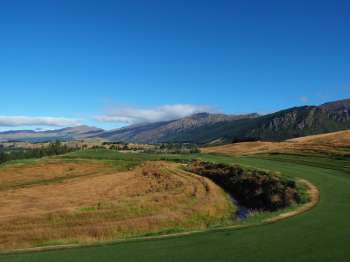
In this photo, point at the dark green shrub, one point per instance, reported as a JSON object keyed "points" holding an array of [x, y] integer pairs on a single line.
{"points": [[255, 189]]}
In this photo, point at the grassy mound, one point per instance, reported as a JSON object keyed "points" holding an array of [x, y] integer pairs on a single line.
{"points": [[60, 201]]}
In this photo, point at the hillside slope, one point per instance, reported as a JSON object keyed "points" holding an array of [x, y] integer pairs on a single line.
{"points": [[336, 143], [85, 201], [70, 133], [205, 128], [181, 130]]}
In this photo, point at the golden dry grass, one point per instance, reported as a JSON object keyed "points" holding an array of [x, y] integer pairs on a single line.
{"points": [[243, 148], [337, 143], [103, 205], [341, 138], [22, 174]]}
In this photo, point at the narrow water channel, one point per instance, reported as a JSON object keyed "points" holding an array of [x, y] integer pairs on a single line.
{"points": [[242, 212]]}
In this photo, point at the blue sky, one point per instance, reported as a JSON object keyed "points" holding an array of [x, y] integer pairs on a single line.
{"points": [[111, 63]]}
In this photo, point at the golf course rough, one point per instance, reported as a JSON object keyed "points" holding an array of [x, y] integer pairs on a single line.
{"points": [[321, 234]]}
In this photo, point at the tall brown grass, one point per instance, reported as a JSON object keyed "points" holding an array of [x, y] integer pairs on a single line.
{"points": [[105, 205]]}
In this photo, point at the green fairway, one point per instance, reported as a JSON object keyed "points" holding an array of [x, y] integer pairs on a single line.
{"points": [[322, 234]]}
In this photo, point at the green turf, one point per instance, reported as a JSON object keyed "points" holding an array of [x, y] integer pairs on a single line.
{"points": [[130, 157], [322, 234]]}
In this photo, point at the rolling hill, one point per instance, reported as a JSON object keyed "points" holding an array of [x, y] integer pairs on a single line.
{"points": [[180, 130], [205, 128], [70, 133], [336, 143]]}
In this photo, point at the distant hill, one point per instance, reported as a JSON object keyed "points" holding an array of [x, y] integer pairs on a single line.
{"points": [[70, 133], [335, 143], [205, 128], [180, 130]]}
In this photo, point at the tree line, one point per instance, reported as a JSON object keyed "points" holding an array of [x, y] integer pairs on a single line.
{"points": [[175, 148], [54, 148]]}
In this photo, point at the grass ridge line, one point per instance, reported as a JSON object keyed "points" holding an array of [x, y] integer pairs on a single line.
{"points": [[314, 200]]}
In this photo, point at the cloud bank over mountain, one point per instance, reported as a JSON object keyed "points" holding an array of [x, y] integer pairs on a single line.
{"points": [[13, 121], [134, 115]]}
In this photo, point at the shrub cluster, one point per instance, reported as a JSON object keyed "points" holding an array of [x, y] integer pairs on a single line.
{"points": [[254, 189], [55, 148], [174, 148]]}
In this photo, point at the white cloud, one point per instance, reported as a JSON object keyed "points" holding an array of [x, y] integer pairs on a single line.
{"points": [[304, 99], [13, 121], [133, 115]]}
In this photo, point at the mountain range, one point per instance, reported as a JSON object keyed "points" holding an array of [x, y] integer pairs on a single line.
{"points": [[206, 128], [64, 134]]}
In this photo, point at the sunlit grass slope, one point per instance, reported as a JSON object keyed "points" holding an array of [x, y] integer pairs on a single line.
{"points": [[321, 234]]}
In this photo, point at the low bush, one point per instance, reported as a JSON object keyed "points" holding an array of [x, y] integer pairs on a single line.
{"points": [[254, 189]]}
